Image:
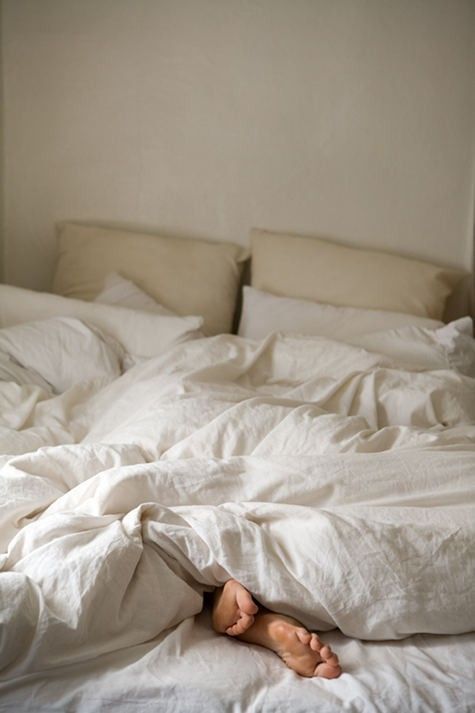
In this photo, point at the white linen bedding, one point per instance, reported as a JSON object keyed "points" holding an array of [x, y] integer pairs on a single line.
{"points": [[142, 334], [263, 313], [189, 669], [334, 483]]}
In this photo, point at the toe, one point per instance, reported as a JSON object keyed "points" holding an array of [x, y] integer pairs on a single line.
{"points": [[325, 652], [234, 630], [315, 643], [303, 635], [244, 622], [323, 670], [245, 601]]}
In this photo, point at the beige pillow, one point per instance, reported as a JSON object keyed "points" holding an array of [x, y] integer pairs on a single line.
{"points": [[187, 276], [323, 271]]}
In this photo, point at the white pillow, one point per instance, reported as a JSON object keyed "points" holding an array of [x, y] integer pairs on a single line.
{"points": [[263, 313], [449, 347], [125, 293], [10, 370], [142, 334], [62, 350]]}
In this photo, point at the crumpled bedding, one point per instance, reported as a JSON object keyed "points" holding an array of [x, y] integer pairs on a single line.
{"points": [[334, 483]]}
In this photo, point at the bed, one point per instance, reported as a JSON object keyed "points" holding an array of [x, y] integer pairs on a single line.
{"points": [[324, 457]]}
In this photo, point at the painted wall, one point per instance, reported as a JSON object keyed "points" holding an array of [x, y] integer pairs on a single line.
{"points": [[349, 118]]}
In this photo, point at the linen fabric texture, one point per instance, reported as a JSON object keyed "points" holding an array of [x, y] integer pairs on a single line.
{"points": [[324, 271], [185, 275], [263, 313]]}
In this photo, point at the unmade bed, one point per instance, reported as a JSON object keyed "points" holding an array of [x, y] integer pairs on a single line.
{"points": [[148, 458]]}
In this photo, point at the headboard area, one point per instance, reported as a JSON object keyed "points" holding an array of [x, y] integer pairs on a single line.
{"points": [[190, 276]]}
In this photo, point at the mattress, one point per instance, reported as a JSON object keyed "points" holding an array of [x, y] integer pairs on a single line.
{"points": [[334, 480]]}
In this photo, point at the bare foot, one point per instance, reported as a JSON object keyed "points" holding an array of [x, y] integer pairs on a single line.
{"points": [[300, 650], [233, 609]]}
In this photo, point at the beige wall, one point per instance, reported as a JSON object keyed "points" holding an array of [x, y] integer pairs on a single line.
{"points": [[350, 118]]}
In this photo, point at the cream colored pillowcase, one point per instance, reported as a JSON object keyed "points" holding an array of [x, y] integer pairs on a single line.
{"points": [[187, 276], [323, 271]]}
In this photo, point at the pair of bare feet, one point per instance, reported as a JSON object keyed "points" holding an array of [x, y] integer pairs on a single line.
{"points": [[235, 613]]}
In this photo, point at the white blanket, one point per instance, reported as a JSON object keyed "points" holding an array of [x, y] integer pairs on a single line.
{"points": [[335, 484]]}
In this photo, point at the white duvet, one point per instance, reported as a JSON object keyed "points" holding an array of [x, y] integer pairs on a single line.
{"points": [[336, 483]]}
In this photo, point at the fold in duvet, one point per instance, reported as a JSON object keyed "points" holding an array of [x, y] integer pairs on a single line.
{"points": [[337, 487]]}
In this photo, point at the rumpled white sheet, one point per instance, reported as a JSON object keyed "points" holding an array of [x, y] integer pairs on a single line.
{"points": [[336, 486], [190, 669]]}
